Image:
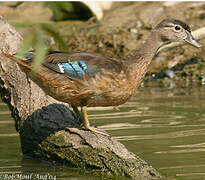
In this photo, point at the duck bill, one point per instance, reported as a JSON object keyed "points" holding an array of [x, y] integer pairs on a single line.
{"points": [[190, 39]]}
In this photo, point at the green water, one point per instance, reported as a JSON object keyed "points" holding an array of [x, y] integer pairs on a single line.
{"points": [[165, 127]]}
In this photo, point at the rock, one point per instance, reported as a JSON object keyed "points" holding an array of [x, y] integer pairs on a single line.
{"points": [[54, 134]]}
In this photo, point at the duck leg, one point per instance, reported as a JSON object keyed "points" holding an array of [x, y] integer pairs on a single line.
{"points": [[87, 123], [77, 112]]}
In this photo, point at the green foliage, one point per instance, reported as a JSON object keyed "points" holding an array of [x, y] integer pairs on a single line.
{"points": [[52, 31], [41, 48], [38, 41], [69, 10], [25, 46], [60, 9]]}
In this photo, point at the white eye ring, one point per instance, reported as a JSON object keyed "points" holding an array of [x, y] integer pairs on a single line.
{"points": [[177, 28]]}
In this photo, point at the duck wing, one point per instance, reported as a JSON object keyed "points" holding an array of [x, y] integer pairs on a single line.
{"points": [[80, 64]]}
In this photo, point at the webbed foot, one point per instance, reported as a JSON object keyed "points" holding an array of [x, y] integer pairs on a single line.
{"points": [[87, 125]]}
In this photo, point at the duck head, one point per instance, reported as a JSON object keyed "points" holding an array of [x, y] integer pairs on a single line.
{"points": [[176, 30]]}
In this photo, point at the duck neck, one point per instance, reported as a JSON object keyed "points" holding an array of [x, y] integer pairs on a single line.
{"points": [[141, 58], [149, 48]]}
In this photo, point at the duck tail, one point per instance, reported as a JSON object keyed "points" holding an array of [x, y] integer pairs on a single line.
{"points": [[24, 65]]}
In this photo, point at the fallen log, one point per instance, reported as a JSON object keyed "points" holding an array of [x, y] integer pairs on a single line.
{"points": [[48, 129]]}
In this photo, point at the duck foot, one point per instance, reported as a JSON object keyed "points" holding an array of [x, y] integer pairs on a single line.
{"points": [[83, 118], [87, 125], [95, 130]]}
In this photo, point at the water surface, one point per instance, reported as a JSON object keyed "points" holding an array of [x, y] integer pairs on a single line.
{"points": [[164, 126]]}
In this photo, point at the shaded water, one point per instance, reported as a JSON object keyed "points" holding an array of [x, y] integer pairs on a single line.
{"points": [[165, 127]]}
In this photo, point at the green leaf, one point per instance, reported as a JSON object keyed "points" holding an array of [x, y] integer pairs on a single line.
{"points": [[53, 31], [38, 41], [60, 9], [25, 46], [41, 50]]}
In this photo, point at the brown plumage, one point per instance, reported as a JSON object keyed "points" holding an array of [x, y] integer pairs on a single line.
{"points": [[85, 79]]}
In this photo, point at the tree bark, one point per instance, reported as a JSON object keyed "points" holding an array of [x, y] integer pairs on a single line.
{"points": [[48, 130]]}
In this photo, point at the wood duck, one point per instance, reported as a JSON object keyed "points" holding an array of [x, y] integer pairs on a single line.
{"points": [[84, 79]]}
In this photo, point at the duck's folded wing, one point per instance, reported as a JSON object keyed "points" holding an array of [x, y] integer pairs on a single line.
{"points": [[80, 64]]}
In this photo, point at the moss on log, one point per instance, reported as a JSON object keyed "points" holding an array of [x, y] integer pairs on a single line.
{"points": [[48, 130]]}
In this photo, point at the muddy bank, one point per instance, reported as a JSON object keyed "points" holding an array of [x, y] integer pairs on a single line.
{"points": [[125, 27], [122, 30]]}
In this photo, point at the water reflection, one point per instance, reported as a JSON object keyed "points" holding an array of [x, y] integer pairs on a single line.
{"points": [[166, 127]]}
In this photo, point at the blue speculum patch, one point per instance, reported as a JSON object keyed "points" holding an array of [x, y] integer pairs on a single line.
{"points": [[29, 55], [74, 68]]}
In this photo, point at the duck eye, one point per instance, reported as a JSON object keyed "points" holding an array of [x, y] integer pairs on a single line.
{"points": [[177, 28]]}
